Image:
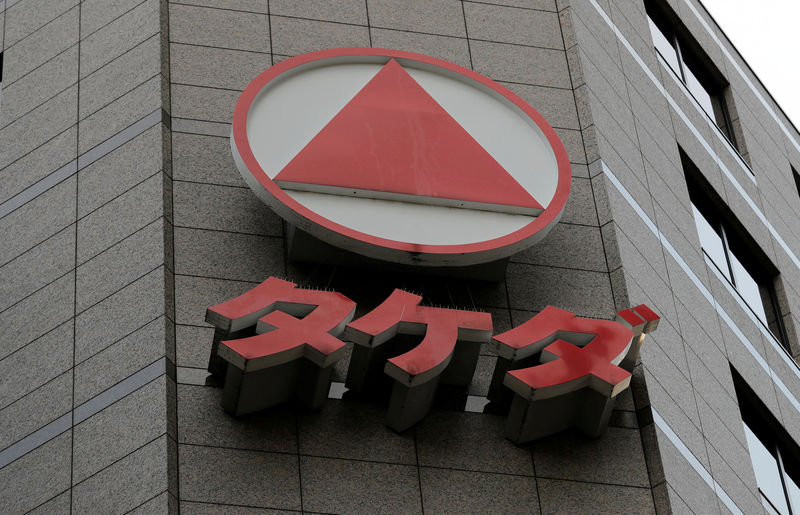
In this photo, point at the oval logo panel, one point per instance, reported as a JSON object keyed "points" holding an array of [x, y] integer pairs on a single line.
{"points": [[400, 157]]}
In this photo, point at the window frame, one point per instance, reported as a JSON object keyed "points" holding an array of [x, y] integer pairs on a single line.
{"points": [[689, 55], [707, 205], [757, 418]]}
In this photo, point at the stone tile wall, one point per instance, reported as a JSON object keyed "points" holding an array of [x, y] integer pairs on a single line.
{"points": [[640, 114], [87, 353], [344, 459], [123, 217]]}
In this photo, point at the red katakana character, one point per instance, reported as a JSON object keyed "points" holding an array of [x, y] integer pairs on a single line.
{"points": [[448, 353], [580, 366], [265, 369]]}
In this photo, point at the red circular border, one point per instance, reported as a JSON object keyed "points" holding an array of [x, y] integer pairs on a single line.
{"points": [[242, 144]]}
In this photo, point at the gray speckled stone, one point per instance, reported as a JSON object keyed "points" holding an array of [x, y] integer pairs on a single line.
{"points": [[354, 430], [221, 130], [222, 208], [471, 441], [35, 410], [40, 85], [346, 486], [118, 219], [592, 498], [449, 491], [37, 220], [193, 295], [23, 18], [38, 126], [256, 6], [199, 103], [573, 142], [568, 246], [483, 374], [193, 345], [201, 421], [40, 46], [34, 316], [219, 28], [204, 159], [343, 11], [37, 476], [734, 476], [114, 173], [616, 457], [231, 476], [532, 287], [97, 13], [119, 36], [34, 166], [444, 18], [292, 36], [155, 506], [121, 113], [528, 65], [35, 364], [511, 25], [37, 267], [119, 429], [119, 265], [58, 505], [125, 484], [455, 50], [215, 67], [196, 508], [555, 104], [118, 361], [227, 255], [692, 489], [119, 76], [120, 314], [544, 5], [580, 208]]}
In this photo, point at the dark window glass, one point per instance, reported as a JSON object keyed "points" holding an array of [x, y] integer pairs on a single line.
{"points": [[768, 473], [665, 47], [731, 250], [711, 242], [704, 84], [796, 180], [699, 92], [747, 287], [773, 453]]}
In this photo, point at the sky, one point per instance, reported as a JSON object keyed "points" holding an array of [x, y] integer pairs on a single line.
{"points": [[767, 34]]}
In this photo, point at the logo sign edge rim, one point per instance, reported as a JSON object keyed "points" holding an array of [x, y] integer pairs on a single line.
{"points": [[374, 246]]}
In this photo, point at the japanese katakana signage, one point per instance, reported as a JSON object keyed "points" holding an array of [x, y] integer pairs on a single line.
{"points": [[400, 157], [414, 161], [277, 342]]}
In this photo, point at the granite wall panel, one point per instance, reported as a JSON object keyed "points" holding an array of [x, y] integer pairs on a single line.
{"points": [[109, 272]]}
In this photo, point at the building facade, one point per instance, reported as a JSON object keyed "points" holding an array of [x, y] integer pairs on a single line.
{"points": [[123, 217]]}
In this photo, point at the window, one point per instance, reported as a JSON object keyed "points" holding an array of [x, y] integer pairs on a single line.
{"points": [[691, 66], [796, 180], [772, 452], [733, 252]]}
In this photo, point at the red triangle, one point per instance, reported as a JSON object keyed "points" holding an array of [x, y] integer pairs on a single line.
{"points": [[393, 140]]}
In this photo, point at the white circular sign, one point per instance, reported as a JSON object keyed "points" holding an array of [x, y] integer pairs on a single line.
{"points": [[400, 156]]}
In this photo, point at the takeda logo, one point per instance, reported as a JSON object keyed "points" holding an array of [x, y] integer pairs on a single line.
{"points": [[560, 369], [400, 157], [413, 160]]}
